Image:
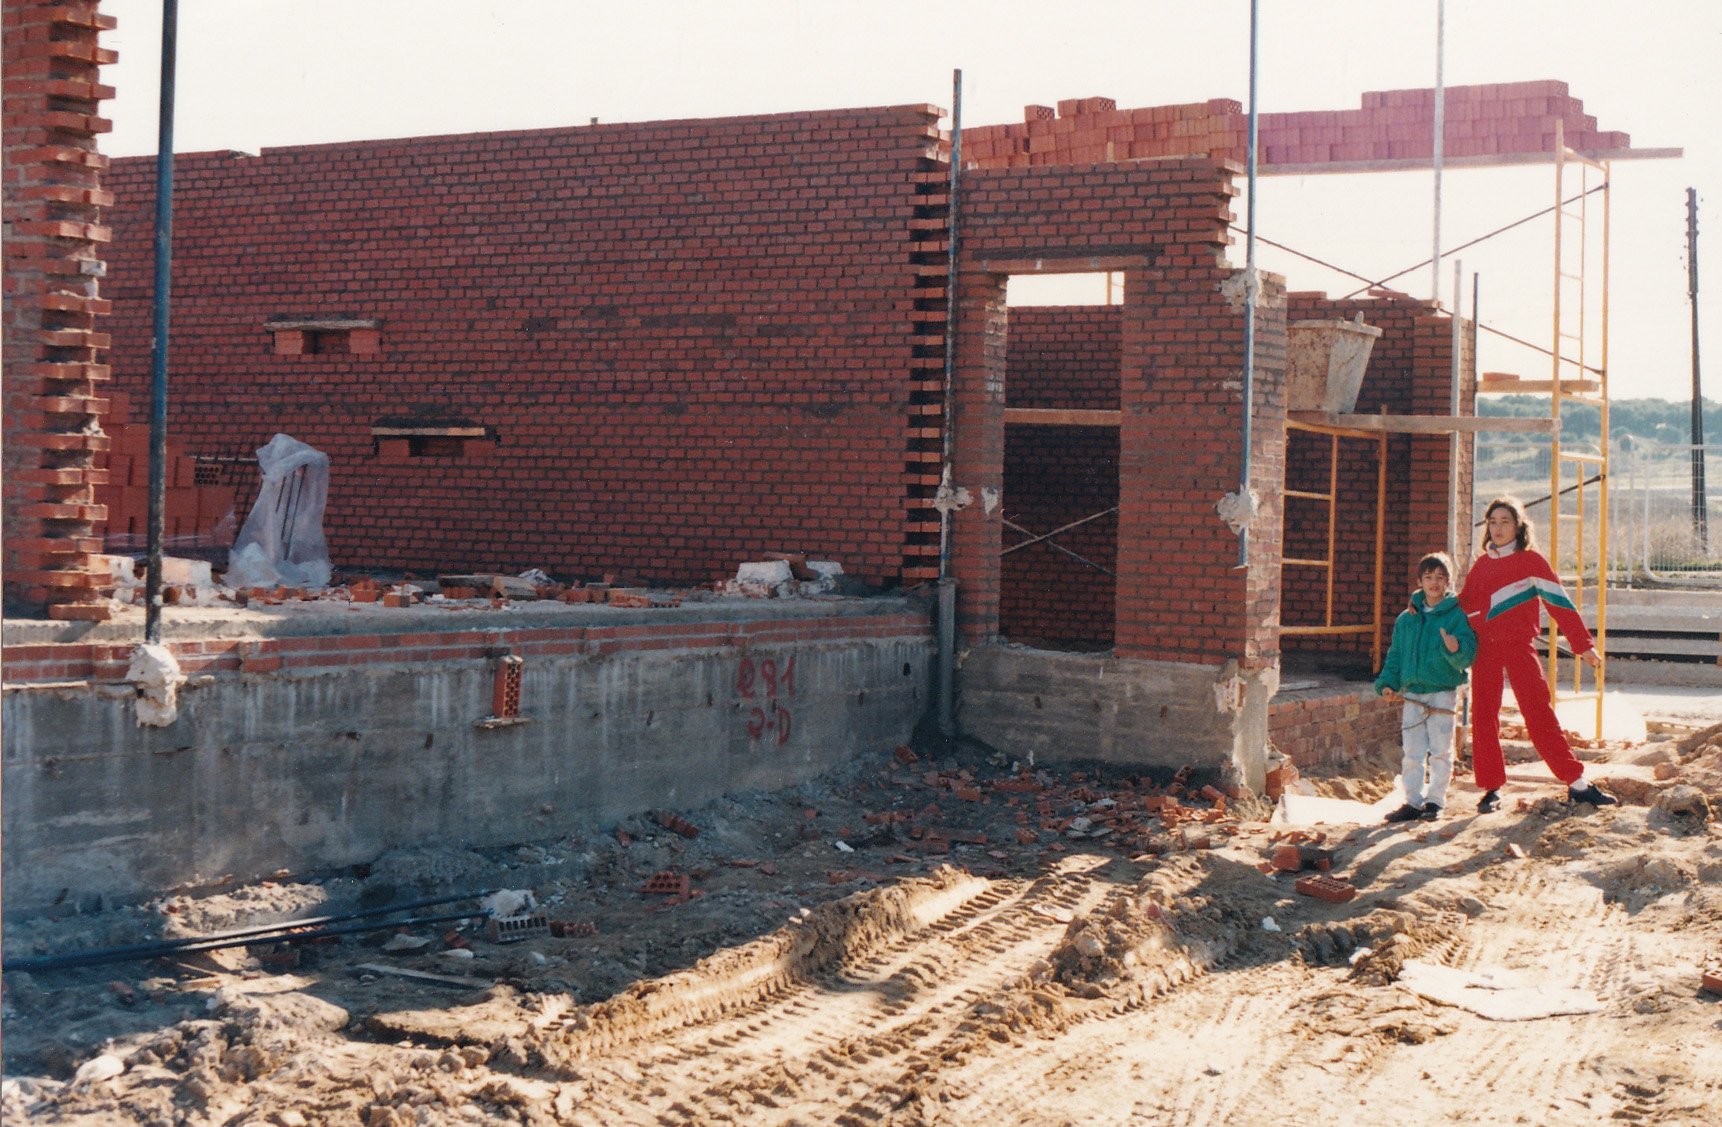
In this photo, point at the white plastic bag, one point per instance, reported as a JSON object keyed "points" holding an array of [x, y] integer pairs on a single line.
{"points": [[282, 541]]}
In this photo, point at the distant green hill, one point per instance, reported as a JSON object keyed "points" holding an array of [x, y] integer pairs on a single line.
{"points": [[1656, 420]]}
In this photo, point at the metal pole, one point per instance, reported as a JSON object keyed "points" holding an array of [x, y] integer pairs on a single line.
{"points": [[1700, 508], [947, 585], [1470, 500], [158, 344], [951, 313], [1456, 519], [1250, 287], [1439, 144]]}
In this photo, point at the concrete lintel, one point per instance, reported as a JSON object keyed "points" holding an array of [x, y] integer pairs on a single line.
{"points": [[1059, 264]]}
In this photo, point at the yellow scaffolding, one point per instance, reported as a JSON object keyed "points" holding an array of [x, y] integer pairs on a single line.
{"points": [[1569, 383], [1328, 627]]}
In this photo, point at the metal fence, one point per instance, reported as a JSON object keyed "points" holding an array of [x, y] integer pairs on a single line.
{"points": [[1653, 536], [1658, 532]]}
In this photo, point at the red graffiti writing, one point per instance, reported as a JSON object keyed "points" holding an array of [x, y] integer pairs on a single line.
{"points": [[764, 680]]}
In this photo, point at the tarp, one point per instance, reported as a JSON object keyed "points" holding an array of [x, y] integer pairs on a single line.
{"points": [[282, 540]]}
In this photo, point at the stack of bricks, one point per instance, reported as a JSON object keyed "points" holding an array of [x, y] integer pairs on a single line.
{"points": [[1409, 373], [195, 516], [1095, 130], [693, 341], [53, 353], [1495, 119]]}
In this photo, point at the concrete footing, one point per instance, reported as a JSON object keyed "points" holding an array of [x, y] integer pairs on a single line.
{"points": [[310, 752], [1122, 711]]}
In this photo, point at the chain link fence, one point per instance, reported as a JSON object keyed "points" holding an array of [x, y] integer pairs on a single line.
{"points": [[1657, 536]]}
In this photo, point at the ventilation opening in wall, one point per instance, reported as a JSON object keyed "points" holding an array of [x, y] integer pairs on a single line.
{"points": [[326, 337], [1057, 582], [400, 440]]}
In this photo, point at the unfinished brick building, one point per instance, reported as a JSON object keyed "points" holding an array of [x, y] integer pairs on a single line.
{"points": [[660, 349]]}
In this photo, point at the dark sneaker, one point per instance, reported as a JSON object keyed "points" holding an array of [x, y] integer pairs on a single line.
{"points": [[1489, 803], [1431, 812], [1593, 795], [1405, 813]]}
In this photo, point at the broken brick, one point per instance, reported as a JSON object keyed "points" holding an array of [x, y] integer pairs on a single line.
{"points": [[1711, 979], [1331, 889], [675, 823], [1299, 858], [905, 755]]}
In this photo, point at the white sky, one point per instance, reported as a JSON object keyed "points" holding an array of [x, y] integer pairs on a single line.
{"points": [[260, 73]]}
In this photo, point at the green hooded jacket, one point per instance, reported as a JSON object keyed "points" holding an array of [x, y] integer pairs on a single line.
{"points": [[1418, 661]]}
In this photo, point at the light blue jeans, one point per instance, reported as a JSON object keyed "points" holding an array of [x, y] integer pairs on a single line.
{"points": [[1426, 734]]}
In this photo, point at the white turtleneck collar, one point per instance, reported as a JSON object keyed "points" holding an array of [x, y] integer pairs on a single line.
{"points": [[1503, 550]]}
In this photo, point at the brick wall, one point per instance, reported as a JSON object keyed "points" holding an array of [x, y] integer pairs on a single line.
{"points": [[681, 343], [1164, 226], [1324, 727], [54, 342], [1409, 374], [1061, 357], [37, 663]]}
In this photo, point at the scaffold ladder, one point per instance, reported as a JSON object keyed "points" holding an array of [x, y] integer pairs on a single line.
{"points": [[1573, 368]]}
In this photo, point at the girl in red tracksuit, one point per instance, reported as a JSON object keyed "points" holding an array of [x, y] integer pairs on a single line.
{"points": [[1500, 596]]}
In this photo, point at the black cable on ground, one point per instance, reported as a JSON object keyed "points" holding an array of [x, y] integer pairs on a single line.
{"points": [[308, 928]]}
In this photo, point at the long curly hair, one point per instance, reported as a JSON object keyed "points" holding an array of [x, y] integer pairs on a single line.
{"points": [[1527, 536]]}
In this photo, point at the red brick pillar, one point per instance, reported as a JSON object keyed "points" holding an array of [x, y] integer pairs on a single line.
{"points": [[1181, 596], [977, 456], [53, 353]]}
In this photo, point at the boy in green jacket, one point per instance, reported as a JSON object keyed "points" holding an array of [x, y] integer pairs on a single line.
{"points": [[1433, 645]]}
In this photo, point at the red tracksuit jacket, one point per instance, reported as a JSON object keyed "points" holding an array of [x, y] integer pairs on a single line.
{"points": [[1500, 598]]}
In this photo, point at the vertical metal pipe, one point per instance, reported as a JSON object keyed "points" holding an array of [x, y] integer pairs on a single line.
{"points": [[947, 658], [158, 344], [1555, 394], [1439, 142], [1456, 519], [947, 714], [1250, 288], [1380, 544], [1469, 506], [1700, 514], [949, 438]]}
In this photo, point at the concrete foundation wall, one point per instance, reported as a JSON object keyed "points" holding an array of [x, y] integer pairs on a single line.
{"points": [[315, 766], [1124, 711]]}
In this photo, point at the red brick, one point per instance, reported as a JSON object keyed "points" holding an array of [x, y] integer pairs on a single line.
{"points": [[1331, 889]]}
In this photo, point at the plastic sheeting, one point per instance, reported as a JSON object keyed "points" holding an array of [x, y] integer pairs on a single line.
{"points": [[282, 541]]}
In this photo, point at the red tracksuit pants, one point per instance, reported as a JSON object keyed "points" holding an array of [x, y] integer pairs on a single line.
{"points": [[1521, 666]]}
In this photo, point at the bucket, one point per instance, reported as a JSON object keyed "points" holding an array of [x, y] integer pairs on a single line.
{"points": [[1325, 361]]}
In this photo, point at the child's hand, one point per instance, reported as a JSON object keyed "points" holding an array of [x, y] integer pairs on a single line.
{"points": [[1392, 694], [1449, 641]]}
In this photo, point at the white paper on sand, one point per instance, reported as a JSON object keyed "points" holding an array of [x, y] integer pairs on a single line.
{"points": [[1499, 995], [1313, 809]]}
